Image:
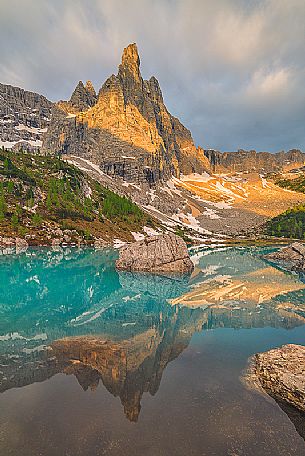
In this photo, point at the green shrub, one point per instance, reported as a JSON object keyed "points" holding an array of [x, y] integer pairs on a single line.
{"points": [[36, 220], [115, 206], [10, 187], [290, 224], [14, 220], [297, 185], [3, 206]]}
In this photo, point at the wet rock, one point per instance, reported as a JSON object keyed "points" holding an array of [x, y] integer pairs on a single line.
{"points": [[281, 373], [56, 242], [292, 256], [12, 242], [10, 245], [100, 244], [166, 253], [7, 242], [20, 243]]}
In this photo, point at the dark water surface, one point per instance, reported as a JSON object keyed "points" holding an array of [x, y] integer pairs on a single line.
{"points": [[95, 362]]}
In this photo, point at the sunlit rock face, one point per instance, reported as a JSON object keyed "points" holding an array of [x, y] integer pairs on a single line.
{"points": [[126, 130]]}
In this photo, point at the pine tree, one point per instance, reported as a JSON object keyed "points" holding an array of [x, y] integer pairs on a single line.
{"points": [[14, 220]]}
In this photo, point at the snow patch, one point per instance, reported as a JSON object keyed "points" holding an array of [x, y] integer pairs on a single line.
{"points": [[131, 184], [40, 348], [35, 130], [137, 236], [17, 336], [118, 243], [150, 231], [7, 144], [210, 213], [204, 177]]}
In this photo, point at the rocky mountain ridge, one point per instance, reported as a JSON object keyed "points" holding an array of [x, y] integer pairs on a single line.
{"points": [[126, 130], [24, 118], [253, 161]]}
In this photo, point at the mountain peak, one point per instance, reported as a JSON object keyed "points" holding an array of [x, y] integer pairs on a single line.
{"points": [[89, 87], [131, 56], [80, 86], [130, 62], [83, 96]]}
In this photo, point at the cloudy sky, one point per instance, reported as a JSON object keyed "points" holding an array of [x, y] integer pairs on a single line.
{"points": [[232, 70]]}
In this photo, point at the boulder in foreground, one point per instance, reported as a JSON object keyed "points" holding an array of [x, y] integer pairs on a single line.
{"points": [[166, 253], [281, 373], [293, 256]]}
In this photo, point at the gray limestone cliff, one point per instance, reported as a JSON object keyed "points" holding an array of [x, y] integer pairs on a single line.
{"points": [[24, 117], [252, 161]]}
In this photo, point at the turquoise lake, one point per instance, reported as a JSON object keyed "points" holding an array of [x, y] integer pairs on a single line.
{"points": [[96, 362]]}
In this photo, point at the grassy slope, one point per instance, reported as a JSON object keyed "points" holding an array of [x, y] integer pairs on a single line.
{"points": [[291, 223], [41, 194]]}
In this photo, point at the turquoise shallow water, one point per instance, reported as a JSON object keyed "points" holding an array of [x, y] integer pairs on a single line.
{"points": [[96, 362]]}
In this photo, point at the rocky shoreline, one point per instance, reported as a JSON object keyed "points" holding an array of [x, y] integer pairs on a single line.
{"points": [[17, 244], [291, 257], [66, 240]]}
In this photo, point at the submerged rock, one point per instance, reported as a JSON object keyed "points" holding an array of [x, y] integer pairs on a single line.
{"points": [[293, 256], [281, 373], [166, 253]]}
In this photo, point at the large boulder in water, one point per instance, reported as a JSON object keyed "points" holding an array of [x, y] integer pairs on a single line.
{"points": [[292, 256], [166, 253], [281, 372]]}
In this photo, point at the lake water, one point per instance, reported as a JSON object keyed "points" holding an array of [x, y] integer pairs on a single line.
{"points": [[95, 362]]}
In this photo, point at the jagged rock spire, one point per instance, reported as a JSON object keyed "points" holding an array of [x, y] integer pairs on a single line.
{"points": [[89, 87], [130, 62], [83, 97], [130, 55], [77, 93]]}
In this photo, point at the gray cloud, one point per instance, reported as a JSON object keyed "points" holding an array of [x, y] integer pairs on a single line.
{"points": [[232, 70]]}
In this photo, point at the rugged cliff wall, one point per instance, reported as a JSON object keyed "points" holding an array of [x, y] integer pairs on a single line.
{"points": [[24, 117], [252, 161], [126, 129]]}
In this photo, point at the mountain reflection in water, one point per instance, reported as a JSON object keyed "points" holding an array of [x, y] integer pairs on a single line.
{"points": [[71, 312]]}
